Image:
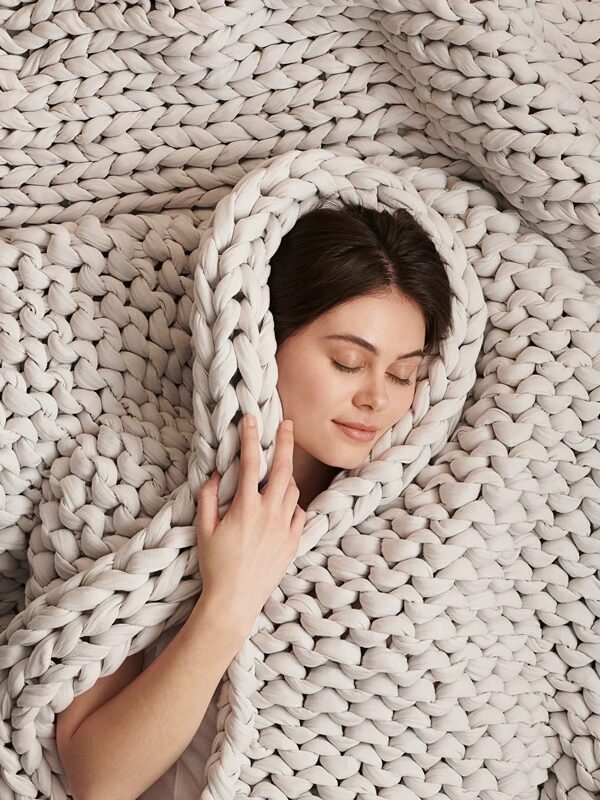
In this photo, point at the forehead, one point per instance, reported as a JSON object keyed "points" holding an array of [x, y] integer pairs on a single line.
{"points": [[391, 323]]}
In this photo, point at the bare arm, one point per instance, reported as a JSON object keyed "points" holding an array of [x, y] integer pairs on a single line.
{"points": [[125, 745], [119, 737]]}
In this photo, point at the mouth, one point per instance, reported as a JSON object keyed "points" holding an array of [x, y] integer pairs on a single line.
{"points": [[356, 433]]}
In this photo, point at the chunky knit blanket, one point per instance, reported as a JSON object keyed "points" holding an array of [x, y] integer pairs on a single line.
{"points": [[438, 634]]}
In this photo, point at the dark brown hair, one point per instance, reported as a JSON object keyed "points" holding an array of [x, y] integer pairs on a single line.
{"points": [[335, 253]]}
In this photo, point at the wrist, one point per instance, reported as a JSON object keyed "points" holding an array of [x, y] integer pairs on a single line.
{"points": [[224, 614]]}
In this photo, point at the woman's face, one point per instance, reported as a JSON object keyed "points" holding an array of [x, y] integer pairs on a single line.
{"points": [[315, 392]]}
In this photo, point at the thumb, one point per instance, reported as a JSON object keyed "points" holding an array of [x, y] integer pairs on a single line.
{"points": [[208, 503]]}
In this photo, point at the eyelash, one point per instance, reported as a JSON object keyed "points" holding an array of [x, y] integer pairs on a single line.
{"points": [[400, 381]]}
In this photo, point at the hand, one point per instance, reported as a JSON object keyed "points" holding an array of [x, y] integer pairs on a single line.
{"points": [[243, 556]]}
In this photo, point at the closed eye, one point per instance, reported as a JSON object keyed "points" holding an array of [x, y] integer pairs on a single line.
{"points": [[395, 378]]}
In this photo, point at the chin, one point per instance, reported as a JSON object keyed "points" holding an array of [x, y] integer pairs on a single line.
{"points": [[351, 462]]}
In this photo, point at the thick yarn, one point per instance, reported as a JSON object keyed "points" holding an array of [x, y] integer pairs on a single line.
{"points": [[438, 633]]}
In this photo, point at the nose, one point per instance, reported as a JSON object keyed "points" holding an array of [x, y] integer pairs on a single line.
{"points": [[374, 394]]}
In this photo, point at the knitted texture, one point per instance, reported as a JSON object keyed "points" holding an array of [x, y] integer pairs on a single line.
{"points": [[437, 635]]}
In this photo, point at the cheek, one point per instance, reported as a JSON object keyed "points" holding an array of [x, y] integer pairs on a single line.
{"points": [[405, 403], [303, 388], [316, 387]]}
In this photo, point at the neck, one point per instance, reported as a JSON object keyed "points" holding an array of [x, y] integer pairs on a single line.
{"points": [[311, 476]]}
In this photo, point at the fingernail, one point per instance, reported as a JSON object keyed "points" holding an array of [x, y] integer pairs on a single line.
{"points": [[250, 420], [288, 425]]}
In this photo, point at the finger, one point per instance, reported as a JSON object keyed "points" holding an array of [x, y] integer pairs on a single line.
{"points": [[282, 466], [290, 498], [208, 502], [298, 521], [249, 462]]}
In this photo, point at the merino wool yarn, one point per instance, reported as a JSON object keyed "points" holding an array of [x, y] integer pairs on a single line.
{"points": [[437, 636]]}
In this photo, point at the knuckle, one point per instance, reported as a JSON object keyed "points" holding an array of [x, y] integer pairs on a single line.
{"points": [[249, 452], [249, 464], [247, 498]]}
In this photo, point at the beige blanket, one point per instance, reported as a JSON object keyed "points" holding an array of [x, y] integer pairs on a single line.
{"points": [[152, 155]]}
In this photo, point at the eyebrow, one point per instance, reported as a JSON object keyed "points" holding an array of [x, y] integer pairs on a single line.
{"points": [[350, 337]]}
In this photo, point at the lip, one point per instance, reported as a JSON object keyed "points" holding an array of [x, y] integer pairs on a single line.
{"points": [[357, 426], [356, 433]]}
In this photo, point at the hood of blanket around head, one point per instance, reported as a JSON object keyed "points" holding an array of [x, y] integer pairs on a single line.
{"points": [[235, 371]]}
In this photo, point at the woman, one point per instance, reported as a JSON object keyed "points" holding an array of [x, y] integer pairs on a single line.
{"points": [[358, 298], [347, 272]]}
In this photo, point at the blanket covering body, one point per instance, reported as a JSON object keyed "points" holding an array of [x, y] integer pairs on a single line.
{"points": [[438, 633]]}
